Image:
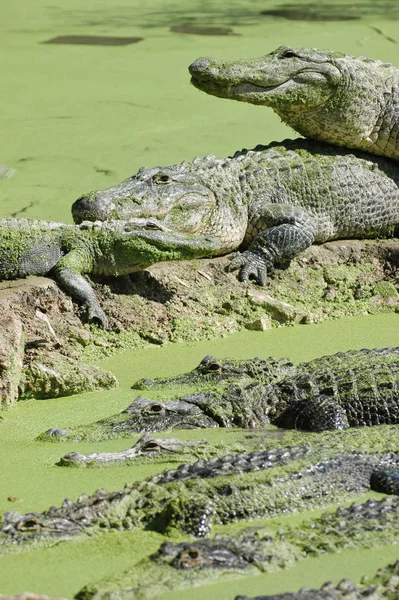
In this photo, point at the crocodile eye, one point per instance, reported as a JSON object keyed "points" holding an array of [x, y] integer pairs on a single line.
{"points": [[288, 54], [215, 366], [191, 558], [150, 447], [156, 408], [154, 225], [31, 523], [161, 178]]}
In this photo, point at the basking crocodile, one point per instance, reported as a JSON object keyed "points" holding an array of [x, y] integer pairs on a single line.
{"points": [[326, 95], [205, 561], [33, 247], [274, 200], [196, 496], [352, 389]]}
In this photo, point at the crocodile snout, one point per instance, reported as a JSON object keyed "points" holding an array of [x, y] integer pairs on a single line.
{"points": [[88, 208], [198, 69]]}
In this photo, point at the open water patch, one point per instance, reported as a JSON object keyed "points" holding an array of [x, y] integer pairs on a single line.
{"points": [[201, 29], [93, 40], [334, 12]]}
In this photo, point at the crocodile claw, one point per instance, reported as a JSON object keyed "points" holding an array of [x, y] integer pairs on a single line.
{"points": [[251, 266], [95, 314]]}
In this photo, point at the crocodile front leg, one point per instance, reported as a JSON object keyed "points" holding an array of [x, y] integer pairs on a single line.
{"points": [[318, 413], [285, 231], [68, 272]]}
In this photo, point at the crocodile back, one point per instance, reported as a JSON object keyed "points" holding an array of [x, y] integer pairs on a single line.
{"points": [[29, 247], [364, 383]]}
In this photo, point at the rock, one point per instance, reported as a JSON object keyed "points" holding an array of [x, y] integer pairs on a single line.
{"points": [[262, 324], [11, 357], [278, 310], [51, 375], [385, 289]]}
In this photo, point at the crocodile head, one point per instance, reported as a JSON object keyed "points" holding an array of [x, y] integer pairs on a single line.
{"points": [[137, 243], [200, 197], [147, 445], [287, 77], [215, 370], [170, 194], [217, 553], [145, 415]]}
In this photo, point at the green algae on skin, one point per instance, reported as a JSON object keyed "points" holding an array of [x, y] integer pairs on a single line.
{"points": [[63, 165], [322, 94], [334, 392], [194, 498], [253, 551], [49, 486]]}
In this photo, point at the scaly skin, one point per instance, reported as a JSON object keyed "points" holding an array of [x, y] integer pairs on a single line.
{"points": [[332, 97], [187, 564], [33, 247], [383, 586], [147, 445], [212, 370], [352, 389], [194, 497], [274, 201]]}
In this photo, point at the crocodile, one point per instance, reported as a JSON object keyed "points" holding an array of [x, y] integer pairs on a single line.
{"points": [[274, 201], [194, 497], [348, 389], [146, 445], [384, 585], [212, 370], [322, 94], [177, 566], [35, 247]]}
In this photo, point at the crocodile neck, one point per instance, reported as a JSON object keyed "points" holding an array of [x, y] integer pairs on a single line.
{"points": [[229, 217], [367, 119]]}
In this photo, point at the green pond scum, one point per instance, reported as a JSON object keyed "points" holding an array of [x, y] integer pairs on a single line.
{"points": [[79, 117], [51, 484]]}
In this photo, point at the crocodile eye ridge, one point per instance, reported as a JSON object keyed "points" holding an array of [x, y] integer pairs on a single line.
{"points": [[161, 178]]}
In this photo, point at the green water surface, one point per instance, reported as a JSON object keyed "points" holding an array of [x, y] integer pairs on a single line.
{"points": [[29, 472], [81, 117]]}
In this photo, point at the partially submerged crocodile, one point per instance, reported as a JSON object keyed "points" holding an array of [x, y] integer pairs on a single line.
{"points": [[34, 247], [352, 389], [326, 95], [274, 200], [384, 585], [196, 496], [212, 370], [147, 445], [202, 562]]}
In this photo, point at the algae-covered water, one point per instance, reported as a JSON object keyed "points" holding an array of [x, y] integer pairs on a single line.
{"points": [[29, 472], [77, 117]]}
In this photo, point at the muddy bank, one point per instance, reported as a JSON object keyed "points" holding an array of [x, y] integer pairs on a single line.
{"points": [[190, 301], [43, 338], [38, 335]]}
